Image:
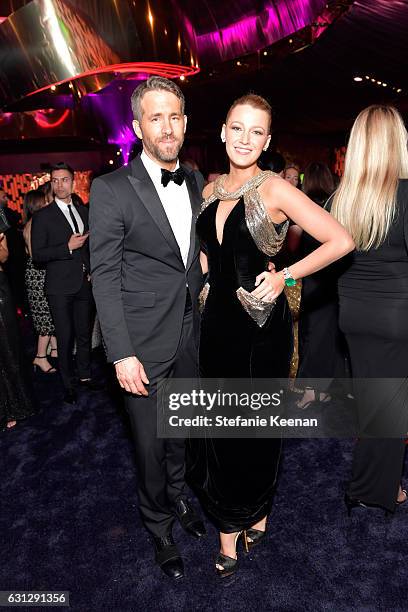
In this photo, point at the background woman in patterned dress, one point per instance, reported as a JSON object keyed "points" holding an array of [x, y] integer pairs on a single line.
{"points": [[35, 280]]}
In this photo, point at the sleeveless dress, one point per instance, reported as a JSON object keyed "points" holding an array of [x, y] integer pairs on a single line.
{"points": [[241, 337]]}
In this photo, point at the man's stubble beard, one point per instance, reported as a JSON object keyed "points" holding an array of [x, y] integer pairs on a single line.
{"points": [[158, 154]]}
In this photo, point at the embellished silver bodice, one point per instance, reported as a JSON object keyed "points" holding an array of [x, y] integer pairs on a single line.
{"points": [[262, 230]]}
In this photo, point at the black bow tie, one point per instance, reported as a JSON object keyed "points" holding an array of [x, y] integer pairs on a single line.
{"points": [[177, 176]]}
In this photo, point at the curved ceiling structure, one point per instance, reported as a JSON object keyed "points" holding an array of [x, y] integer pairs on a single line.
{"points": [[86, 56]]}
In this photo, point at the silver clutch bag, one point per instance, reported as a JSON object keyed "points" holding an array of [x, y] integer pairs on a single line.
{"points": [[257, 309], [202, 298]]}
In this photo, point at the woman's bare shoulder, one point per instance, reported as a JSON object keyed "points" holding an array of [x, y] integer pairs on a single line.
{"points": [[275, 184], [208, 190]]}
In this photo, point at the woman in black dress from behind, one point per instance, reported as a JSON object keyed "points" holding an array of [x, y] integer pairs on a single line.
{"points": [[372, 203], [321, 350]]}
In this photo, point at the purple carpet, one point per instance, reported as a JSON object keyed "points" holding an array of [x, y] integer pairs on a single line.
{"points": [[69, 521]]}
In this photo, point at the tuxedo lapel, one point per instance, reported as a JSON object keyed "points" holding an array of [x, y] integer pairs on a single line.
{"points": [[82, 213], [195, 201], [143, 185], [60, 215]]}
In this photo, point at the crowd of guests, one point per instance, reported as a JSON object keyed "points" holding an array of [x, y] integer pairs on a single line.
{"points": [[352, 314], [55, 309]]}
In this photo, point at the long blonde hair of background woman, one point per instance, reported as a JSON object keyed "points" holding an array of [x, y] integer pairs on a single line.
{"points": [[377, 156]]}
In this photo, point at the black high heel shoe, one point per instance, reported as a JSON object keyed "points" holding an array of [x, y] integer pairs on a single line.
{"points": [[352, 502], [51, 369], [254, 537], [229, 564], [319, 397]]}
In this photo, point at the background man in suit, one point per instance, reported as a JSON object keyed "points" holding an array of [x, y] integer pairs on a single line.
{"points": [[59, 238], [146, 280]]}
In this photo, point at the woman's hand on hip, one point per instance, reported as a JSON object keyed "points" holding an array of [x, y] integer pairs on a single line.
{"points": [[269, 285]]}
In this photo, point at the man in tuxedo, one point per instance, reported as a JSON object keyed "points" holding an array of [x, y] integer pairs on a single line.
{"points": [[146, 280], [59, 239]]}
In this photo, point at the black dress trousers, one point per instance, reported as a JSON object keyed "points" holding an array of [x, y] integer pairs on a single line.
{"points": [[73, 318], [160, 461]]}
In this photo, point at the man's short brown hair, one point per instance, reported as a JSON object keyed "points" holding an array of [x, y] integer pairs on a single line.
{"points": [[154, 83]]}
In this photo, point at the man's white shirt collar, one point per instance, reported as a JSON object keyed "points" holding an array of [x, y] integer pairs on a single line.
{"points": [[60, 203]]}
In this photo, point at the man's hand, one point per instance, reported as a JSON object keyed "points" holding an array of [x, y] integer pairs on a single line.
{"points": [[76, 241], [131, 376]]}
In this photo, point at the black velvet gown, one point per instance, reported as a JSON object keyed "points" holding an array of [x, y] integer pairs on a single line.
{"points": [[234, 479], [373, 292]]}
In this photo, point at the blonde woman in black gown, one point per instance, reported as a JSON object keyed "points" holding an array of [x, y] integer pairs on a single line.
{"points": [[372, 202], [242, 226]]}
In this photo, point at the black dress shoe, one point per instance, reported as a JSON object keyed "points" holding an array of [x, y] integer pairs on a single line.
{"points": [[168, 557], [352, 502], [189, 519], [70, 397], [91, 385]]}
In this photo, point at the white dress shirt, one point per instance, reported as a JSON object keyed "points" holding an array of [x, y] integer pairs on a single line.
{"points": [[64, 209], [176, 204]]}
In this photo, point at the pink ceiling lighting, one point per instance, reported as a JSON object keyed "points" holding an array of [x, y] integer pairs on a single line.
{"points": [[170, 71]]}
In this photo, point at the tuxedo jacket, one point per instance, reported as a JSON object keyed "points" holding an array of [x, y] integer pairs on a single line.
{"points": [[138, 275], [50, 233]]}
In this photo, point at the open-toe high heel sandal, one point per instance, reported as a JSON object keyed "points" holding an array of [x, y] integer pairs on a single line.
{"points": [[227, 566], [318, 397], [255, 537], [51, 369]]}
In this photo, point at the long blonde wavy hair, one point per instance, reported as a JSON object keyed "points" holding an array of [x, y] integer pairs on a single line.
{"points": [[377, 156]]}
